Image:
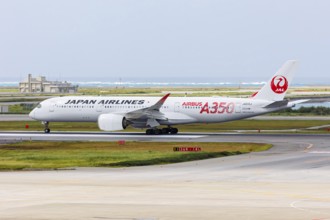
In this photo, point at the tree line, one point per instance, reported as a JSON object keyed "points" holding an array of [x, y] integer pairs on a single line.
{"points": [[319, 110]]}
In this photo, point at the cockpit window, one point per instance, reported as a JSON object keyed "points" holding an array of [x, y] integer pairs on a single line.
{"points": [[39, 106]]}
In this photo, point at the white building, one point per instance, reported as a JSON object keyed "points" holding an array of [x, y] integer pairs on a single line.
{"points": [[4, 108], [40, 84]]}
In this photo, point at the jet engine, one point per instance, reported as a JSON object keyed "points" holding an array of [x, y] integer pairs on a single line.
{"points": [[112, 122]]}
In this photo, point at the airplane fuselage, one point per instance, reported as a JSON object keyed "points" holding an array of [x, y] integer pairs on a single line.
{"points": [[177, 110], [116, 113]]}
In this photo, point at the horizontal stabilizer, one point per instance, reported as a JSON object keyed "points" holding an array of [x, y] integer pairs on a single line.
{"points": [[277, 104], [313, 99]]}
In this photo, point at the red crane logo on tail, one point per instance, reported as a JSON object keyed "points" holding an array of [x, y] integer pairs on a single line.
{"points": [[279, 84]]}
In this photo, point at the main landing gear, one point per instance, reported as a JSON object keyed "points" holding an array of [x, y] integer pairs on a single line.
{"points": [[158, 131], [46, 124]]}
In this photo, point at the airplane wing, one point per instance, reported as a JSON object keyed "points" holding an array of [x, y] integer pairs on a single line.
{"points": [[277, 104], [150, 114]]}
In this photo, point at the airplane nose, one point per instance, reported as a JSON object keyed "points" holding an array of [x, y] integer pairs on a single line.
{"points": [[32, 113]]}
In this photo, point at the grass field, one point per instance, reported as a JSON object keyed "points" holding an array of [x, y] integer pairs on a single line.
{"points": [[54, 155], [219, 127]]}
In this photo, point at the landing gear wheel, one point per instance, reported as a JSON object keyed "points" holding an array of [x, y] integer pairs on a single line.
{"points": [[157, 131], [153, 131], [174, 130], [148, 131], [165, 130], [46, 124]]}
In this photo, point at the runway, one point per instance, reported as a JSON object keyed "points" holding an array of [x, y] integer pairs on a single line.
{"points": [[290, 181], [92, 136], [141, 136]]}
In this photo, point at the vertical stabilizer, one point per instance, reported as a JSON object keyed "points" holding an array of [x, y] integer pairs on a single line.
{"points": [[276, 88]]}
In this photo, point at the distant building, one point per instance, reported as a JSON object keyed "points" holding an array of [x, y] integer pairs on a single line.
{"points": [[40, 85], [4, 108]]}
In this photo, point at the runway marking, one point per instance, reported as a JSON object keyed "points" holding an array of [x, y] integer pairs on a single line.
{"points": [[319, 152], [293, 205], [308, 147]]}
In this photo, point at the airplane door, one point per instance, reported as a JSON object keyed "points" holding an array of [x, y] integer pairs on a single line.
{"points": [[52, 107], [238, 108], [177, 106]]}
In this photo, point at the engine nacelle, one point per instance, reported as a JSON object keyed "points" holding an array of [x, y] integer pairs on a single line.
{"points": [[111, 122]]}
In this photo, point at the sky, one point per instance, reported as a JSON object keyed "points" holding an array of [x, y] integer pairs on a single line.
{"points": [[167, 39]]}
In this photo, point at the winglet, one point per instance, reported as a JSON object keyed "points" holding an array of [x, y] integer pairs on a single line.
{"points": [[159, 104], [162, 100]]}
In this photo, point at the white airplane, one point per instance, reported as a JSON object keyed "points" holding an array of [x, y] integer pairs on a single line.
{"points": [[116, 113]]}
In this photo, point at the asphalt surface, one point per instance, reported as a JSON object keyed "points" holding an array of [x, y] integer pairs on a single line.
{"points": [[289, 181]]}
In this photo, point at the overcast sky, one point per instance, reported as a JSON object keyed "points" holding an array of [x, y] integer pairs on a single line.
{"points": [[96, 39]]}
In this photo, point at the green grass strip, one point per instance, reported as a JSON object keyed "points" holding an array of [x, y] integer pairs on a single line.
{"points": [[37, 155]]}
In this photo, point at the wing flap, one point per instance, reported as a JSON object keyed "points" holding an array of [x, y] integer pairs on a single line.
{"points": [[152, 123]]}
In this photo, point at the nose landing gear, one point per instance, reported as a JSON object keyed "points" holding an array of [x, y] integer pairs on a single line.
{"points": [[46, 124]]}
